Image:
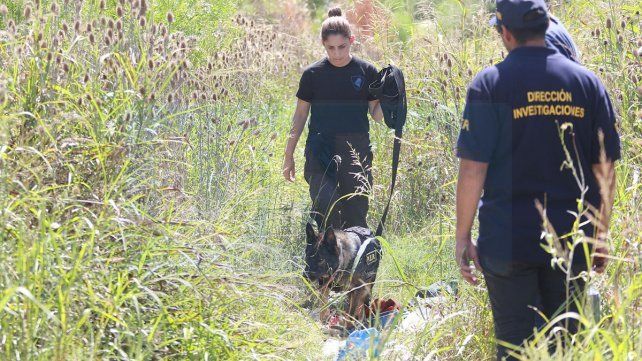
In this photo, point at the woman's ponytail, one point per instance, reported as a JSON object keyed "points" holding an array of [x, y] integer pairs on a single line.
{"points": [[335, 24]]}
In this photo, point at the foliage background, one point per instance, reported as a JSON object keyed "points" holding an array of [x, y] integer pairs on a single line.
{"points": [[142, 210]]}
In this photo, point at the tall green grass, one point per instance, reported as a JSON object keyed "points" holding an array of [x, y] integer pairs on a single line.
{"points": [[142, 210]]}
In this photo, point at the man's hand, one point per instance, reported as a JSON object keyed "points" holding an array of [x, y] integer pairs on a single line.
{"points": [[288, 168], [466, 251]]}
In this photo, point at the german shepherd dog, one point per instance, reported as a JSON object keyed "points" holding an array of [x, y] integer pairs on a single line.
{"points": [[330, 261]]}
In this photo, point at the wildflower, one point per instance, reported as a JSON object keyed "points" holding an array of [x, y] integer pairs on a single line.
{"points": [[597, 32], [119, 12], [623, 24], [170, 17], [170, 98], [609, 23], [142, 22], [110, 23], [27, 12], [54, 8], [119, 25], [638, 52], [102, 5], [141, 90], [65, 68], [150, 64], [92, 39], [88, 28], [3, 10], [77, 26]]}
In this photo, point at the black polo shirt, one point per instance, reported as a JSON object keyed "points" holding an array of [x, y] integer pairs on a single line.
{"points": [[338, 96], [511, 122]]}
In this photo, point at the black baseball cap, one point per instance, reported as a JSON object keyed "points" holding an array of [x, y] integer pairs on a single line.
{"points": [[520, 14]]}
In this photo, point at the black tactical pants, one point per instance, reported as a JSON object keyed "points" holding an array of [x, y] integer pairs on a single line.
{"points": [[515, 288], [340, 195]]}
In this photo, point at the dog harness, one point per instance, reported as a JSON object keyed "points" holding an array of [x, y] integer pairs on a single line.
{"points": [[366, 262]]}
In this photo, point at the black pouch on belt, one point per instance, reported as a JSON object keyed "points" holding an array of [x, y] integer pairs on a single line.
{"points": [[322, 149]]}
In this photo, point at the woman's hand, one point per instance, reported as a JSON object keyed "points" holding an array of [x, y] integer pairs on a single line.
{"points": [[288, 168]]}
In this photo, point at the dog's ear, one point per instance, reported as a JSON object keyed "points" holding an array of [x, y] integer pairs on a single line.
{"points": [[310, 233], [330, 239]]}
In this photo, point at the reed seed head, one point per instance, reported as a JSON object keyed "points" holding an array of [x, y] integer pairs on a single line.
{"points": [[143, 7]]}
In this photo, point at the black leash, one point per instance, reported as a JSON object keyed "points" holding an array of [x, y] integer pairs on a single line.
{"points": [[390, 89], [396, 150]]}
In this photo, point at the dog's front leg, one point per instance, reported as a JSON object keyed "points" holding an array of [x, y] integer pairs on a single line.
{"points": [[357, 300], [324, 295]]}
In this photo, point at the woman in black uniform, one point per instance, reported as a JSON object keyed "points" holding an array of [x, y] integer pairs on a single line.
{"points": [[334, 90]]}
